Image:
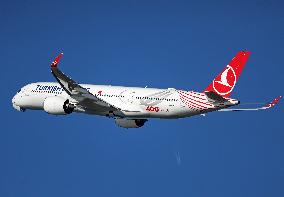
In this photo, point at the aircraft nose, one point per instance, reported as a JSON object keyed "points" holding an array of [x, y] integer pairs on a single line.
{"points": [[15, 103], [15, 99]]}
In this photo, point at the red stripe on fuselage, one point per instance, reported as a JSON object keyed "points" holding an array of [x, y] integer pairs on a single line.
{"points": [[203, 103], [190, 94], [185, 99]]}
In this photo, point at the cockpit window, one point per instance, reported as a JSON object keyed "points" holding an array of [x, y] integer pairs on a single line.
{"points": [[19, 90]]}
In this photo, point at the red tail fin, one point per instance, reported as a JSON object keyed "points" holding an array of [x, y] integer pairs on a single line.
{"points": [[225, 82]]}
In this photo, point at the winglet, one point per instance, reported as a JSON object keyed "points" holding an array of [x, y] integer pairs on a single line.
{"points": [[56, 61], [272, 103]]}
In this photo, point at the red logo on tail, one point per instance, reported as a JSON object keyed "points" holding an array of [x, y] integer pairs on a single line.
{"points": [[225, 82]]}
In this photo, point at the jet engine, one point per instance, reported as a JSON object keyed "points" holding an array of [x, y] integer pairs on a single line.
{"points": [[130, 123], [58, 106]]}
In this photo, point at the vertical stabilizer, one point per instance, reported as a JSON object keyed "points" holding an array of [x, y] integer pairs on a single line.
{"points": [[225, 82]]}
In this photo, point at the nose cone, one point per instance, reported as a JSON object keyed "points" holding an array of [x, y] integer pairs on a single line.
{"points": [[15, 103], [15, 99]]}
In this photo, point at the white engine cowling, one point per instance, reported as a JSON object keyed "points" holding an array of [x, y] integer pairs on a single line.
{"points": [[130, 123], [57, 106]]}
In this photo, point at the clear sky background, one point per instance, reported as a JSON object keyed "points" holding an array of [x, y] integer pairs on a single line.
{"points": [[181, 44]]}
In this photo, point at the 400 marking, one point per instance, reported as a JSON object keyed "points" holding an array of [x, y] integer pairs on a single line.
{"points": [[153, 109]]}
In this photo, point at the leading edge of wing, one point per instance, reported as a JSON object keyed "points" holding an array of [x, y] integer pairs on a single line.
{"points": [[75, 90]]}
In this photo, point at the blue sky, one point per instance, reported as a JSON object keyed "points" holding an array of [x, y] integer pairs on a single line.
{"points": [[181, 44]]}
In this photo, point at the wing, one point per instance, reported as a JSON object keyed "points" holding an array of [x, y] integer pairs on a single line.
{"points": [[267, 106], [84, 98]]}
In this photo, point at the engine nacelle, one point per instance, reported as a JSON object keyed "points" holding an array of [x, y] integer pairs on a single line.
{"points": [[57, 106], [130, 123]]}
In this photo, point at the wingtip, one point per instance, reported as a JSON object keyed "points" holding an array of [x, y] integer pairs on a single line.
{"points": [[245, 52], [56, 61], [274, 102]]}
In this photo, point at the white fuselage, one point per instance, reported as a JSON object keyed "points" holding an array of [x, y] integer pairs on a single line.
{"points": [[134, 102]]}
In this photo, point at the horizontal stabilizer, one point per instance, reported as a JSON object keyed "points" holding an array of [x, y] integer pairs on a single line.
{"points": [[267, 106]]}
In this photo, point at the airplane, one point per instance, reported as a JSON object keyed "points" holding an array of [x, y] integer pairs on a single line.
{"points": [[131, 107]]}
